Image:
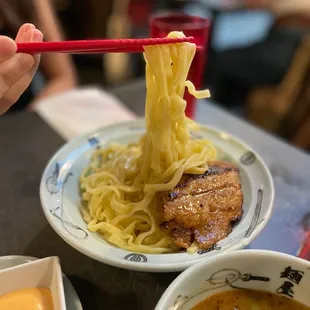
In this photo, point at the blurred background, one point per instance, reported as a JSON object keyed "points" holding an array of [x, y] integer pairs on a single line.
{"points": [[258, 53]]}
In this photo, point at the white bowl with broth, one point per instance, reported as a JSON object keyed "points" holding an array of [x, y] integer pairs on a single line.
{"points": [[61, 199], [266, 274]]}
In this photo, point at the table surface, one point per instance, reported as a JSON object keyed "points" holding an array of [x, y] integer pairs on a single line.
{"points": [[27, 143]]}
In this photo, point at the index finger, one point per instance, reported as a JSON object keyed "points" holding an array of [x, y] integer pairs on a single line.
{"points": [[8, 48]]}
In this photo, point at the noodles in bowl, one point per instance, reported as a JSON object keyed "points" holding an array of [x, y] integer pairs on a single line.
{"points": [[120, 187], [134, 194]]}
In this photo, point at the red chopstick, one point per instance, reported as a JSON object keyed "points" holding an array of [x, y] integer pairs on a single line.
{"points": [[96, 46]]}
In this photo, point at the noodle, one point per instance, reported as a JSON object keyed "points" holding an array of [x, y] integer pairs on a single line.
{"points": [[122, 185]]}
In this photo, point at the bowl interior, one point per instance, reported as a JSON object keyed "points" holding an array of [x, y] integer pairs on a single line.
{"points": [[248, 269], [61, 198]]}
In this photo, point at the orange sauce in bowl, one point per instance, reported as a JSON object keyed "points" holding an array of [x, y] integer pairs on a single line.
{"points": [[27, 299], [248, 300]]}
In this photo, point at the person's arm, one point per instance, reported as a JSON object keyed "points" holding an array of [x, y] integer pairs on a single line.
{"points": [[281, 7], [58, 68], [16, 70], [291, 7], [258, 4]]}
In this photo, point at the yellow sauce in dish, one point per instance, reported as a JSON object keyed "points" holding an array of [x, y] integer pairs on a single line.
{"points": [[27, 299]]}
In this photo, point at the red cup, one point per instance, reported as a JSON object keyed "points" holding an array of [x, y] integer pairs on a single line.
{"points": [[196, 27]]}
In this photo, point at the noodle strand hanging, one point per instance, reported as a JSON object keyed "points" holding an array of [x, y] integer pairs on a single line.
{"points": [[122, 185]]}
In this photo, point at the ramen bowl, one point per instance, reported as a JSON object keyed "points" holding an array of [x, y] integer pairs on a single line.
{"points": [[268, 271], [61, 200]]}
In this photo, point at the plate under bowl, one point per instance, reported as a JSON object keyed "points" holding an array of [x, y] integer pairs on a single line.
{"points": [[60, 197]]}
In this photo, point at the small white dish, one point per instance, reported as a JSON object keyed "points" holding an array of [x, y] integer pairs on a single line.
{"points": [[72, 299], [269, 271], [60, 197], [44, 273]]}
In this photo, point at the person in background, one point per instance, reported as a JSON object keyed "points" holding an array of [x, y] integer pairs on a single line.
{"points": [[266, 61], [289, 14], [283, 7], [57, 69]]}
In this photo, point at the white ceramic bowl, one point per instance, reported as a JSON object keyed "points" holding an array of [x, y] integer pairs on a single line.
{"points": [[72, 299], [60, 197], [269, 271], [44, 272]]}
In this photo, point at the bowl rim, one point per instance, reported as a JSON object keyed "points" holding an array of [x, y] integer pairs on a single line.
{"points": [[207, 263], [13, 257], [152, 267]]}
